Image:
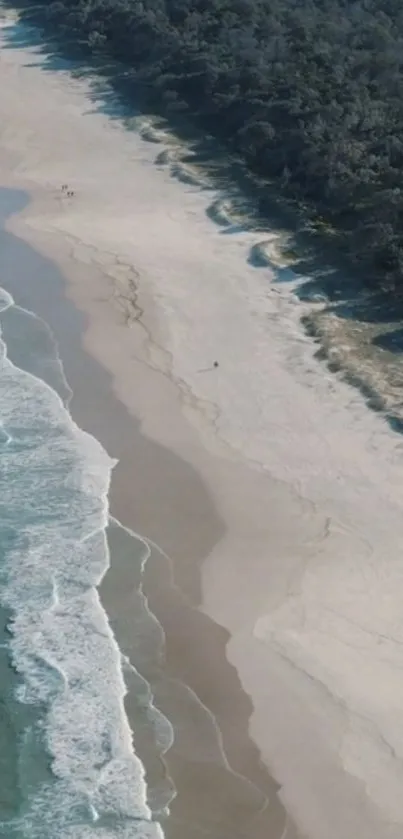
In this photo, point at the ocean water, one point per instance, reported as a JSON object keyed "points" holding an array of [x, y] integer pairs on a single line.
{"points": [[68, 767]]}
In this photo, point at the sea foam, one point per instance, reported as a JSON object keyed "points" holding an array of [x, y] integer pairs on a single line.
{"points": [[78, 773]]}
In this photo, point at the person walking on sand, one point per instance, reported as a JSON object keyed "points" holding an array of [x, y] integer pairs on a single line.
{"points": [[208, 369]]}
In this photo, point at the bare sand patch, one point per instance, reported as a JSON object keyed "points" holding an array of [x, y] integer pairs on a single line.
{"points": [[272, 252]]}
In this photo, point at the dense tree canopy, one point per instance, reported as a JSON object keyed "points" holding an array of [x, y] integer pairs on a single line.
{"points": [[309, 92]]}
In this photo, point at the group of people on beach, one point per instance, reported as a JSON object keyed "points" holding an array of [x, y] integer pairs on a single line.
{"points": [[67, 191]]}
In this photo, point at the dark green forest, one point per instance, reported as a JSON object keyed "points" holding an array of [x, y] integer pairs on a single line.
{"points": [[308, 92]]}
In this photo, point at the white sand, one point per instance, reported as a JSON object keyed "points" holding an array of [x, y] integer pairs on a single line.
{"points": [[312, 591]]}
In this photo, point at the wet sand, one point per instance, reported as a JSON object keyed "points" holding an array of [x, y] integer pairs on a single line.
{"points": [[272, 489], [222, 785]]}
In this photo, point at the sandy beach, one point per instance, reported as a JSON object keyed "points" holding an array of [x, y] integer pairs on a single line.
{"points": [[272, 489]]}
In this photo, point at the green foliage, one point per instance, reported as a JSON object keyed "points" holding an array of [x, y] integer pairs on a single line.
{"points": [[307, 91]]}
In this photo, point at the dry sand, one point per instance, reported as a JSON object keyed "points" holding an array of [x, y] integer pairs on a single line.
{"points": [[298, 515]]}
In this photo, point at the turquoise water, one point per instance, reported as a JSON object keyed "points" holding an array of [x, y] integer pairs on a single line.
{"points": [[67, 763]]}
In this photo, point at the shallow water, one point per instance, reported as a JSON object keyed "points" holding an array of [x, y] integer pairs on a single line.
{"points": [[68, 765]]}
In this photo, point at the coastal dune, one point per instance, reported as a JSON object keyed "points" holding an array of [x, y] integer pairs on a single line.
{"points": [[295, 551]]}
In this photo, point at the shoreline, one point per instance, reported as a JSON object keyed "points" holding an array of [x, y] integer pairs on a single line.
{"points": [[238, 789], [302, 570]]}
